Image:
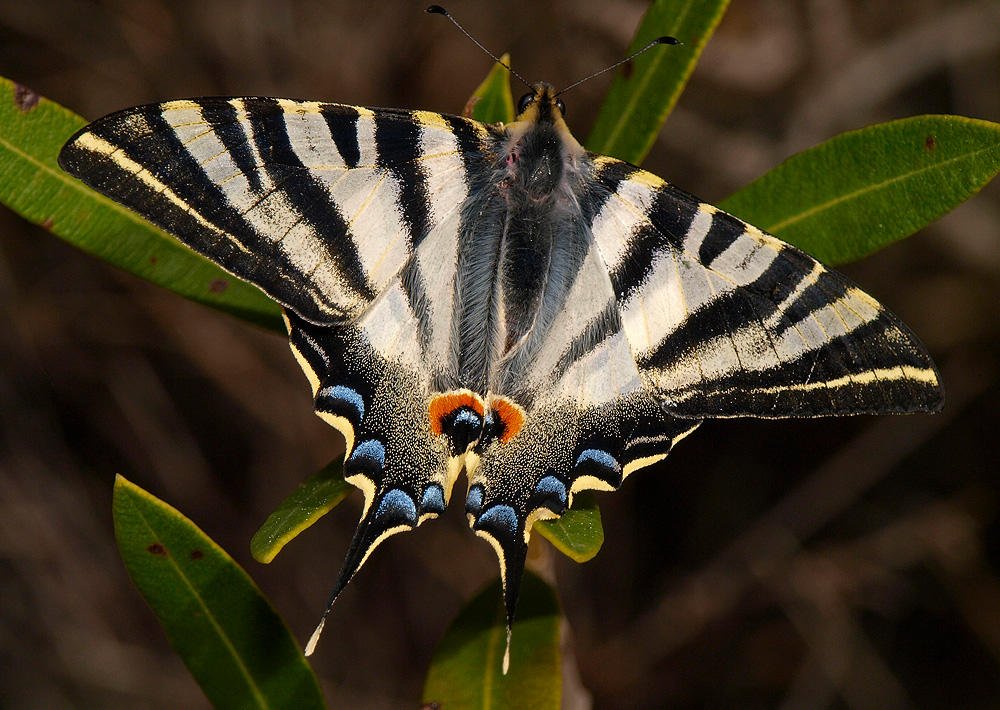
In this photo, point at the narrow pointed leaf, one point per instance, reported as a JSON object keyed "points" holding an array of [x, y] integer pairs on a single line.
{"points": [[317, 496], [578, 534], [32, 130], [236, 646], [466, 670], [492, 101], [865, 189], [645, 90]]}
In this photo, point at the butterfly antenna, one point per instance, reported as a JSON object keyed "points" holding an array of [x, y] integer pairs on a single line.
{"points": [[629, 58], [438, 10]]}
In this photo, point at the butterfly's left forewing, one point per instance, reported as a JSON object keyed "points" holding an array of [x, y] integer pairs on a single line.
{"points": [[320, 205]]}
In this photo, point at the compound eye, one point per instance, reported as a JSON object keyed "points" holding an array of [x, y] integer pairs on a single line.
{"points": [[561, 106], [524, 102]]}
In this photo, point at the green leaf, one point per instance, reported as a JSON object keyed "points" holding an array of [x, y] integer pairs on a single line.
{"points": [[236, 646], [865, 189], [466, 671], [643, 94], [578, 533], [317, 496], [492, 101], [32, 130]]}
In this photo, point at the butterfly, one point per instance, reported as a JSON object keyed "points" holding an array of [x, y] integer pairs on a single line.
{"points": [[497, 300]]}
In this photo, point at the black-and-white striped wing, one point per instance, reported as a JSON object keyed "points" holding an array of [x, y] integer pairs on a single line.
{"points": [[320, 205], [726, 320]]}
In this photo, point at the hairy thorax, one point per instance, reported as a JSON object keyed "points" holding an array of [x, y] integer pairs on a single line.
{"points": [[544, 239]]}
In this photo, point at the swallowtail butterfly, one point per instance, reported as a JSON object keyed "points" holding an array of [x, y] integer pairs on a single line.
{"points": [[498, 300]]}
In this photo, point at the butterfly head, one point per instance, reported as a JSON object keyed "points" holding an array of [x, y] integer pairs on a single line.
{"points": [[542, 108], [542, 103]]}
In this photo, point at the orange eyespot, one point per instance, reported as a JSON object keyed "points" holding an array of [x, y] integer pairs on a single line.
{"points": [[441, 405], [511, 417]]}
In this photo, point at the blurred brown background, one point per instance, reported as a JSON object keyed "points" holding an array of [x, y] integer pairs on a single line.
{"points": [[812, 564]]}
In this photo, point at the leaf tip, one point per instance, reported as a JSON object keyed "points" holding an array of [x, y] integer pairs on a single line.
{"points": [[264, 555]]}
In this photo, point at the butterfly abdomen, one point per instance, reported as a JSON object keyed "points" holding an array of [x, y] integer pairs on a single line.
{"points": [[544, 241]]}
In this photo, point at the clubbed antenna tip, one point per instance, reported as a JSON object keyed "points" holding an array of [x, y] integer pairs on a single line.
{"points": [[658, 41], [438, 10]]}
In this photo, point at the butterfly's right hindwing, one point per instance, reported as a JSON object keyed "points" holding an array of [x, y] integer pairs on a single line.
{"points": [[320, 205], [726, 320]]}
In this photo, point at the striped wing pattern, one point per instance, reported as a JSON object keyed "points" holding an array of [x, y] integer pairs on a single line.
{"points": [[725, 320], [463, 298], [320, 205]]}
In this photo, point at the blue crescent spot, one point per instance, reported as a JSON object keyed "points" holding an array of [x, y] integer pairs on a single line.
{"points": [[341, 393], [397, 503], [474, 501], [550, 485], [467, 415], [433, 500], [372, 449], [501, 516], [601, 458]]}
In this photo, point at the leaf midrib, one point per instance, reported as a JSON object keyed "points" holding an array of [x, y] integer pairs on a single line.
{"points": [[644, 80], [873, 187], [81, 189], [490, 665], [244, 671]]}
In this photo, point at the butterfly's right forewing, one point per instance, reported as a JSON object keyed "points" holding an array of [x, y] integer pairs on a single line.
{"points": [[726, 320]]}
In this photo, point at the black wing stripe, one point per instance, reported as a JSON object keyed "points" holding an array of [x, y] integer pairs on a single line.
{"points": [[826, 289], [602, 326], [343, 124], [417, 297], [607, 176], [670, 220], [331, 234], [723, 233], [221, 116], [397, 140]]}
